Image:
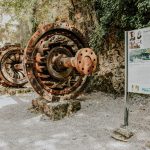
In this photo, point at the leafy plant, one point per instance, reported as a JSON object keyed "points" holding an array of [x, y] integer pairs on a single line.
{"points": [[118, 14]]}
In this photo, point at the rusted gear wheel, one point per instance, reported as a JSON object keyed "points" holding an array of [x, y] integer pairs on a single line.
{"points": [[11, 66], [47, 75]]}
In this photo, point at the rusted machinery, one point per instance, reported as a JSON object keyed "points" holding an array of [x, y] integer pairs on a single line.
{"points": [[11, 66], [57, 61]]}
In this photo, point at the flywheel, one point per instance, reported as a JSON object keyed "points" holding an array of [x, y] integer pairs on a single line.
{"points": [[49, 58], [11, 66]]}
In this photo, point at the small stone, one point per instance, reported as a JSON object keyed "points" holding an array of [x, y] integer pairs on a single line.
{"points": [[32, 111], [74, 138], [44, 118], [12, 92], [147, 144], [30, 108]]}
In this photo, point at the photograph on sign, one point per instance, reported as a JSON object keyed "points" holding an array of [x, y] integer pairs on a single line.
{"points": [[139, 61]]}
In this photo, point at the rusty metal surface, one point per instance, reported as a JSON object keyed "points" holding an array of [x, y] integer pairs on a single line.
{"points": [[46, 73], [84, 61], [11, 66]]}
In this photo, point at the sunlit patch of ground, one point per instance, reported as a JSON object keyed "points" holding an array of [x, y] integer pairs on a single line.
{"points": [[88, 129]]}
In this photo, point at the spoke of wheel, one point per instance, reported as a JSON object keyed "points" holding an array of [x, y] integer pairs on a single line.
{"points": [[12, 74], [21, 72], [17, 57], [12, 57], [15, 76], [9, 61], [7, 66], [19, 77]]}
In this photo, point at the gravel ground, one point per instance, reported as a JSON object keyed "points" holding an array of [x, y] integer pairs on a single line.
{"points": [[88, 129]]}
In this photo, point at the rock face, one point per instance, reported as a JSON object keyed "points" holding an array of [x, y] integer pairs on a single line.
{"points": [[83, 16], [111, 65]]}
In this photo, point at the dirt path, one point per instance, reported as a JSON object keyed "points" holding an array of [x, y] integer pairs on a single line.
{"points": [[88, 129]]}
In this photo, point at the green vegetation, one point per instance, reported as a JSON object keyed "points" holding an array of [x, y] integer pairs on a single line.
{"points": [[24, 17], [118, 15], [31, 10]]}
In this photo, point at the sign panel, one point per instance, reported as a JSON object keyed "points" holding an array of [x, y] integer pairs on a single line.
{"points": [[138, 48]]}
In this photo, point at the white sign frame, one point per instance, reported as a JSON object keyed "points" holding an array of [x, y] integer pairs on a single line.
{"points": [[141, 47]]}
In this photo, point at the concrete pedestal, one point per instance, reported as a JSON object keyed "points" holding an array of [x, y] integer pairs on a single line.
{"points": [[56, 110]]}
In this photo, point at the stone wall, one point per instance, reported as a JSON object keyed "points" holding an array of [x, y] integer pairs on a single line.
{"points": [[111, 66]]}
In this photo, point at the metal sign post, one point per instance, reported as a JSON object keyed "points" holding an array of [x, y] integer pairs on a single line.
{"points": [[126, 112]]}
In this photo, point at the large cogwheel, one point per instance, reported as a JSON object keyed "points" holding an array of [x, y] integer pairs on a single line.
{"points": [[50, 79]]}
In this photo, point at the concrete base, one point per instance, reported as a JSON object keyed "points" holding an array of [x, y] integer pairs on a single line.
{"points": [[122, 134], [55, 110]]}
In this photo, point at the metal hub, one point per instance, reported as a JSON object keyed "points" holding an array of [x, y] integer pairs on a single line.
{"points": [[84, 61], [54, 66]]}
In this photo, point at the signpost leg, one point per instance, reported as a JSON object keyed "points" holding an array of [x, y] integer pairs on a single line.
{"points": [[126, 116], [126, 112]]}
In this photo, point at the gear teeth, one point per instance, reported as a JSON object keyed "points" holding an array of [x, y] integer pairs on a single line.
{"points": [[43, 75]]}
